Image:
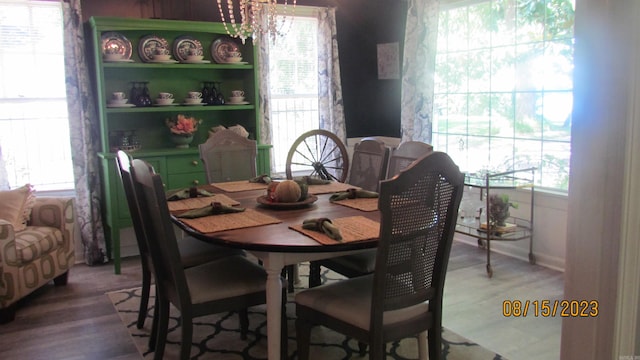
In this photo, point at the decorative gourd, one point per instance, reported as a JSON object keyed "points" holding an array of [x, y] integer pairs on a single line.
{"points": [[288, 191], [304, 190], [271, 191]]}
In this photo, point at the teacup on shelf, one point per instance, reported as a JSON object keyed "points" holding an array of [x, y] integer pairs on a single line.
{"points": [[165, 101], [112, 57], [113, 101], [161, 57], [234, 59], [195, 57], [192, 100], [236, 99]]}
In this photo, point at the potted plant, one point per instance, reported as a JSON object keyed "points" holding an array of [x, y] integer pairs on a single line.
{"points": [[499, 206], [182, 129]]}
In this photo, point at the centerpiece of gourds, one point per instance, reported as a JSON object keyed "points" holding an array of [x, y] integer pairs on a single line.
{"points": [[287, 191]]}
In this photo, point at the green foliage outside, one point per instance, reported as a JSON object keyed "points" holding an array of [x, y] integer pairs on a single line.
{"points": [[504, 77]]}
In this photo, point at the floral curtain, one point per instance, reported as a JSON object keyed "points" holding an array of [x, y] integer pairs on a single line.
{"points": [[330, 89], [331, 107], [263, 90], [85, 139], [418, 70]]}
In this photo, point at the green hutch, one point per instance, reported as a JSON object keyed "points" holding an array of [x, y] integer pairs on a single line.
{"points": [[142, 130]]}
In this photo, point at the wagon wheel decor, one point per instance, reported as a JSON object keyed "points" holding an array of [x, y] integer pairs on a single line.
{"points": [[318, 153]]}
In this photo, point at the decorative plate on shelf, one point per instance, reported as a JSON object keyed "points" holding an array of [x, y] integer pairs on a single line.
{"points": [[184, 45], [147, 46], [263, 200], [116, 43], [221, 49]]}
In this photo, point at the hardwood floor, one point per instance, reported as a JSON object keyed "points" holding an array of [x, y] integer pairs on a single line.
{"points": [[77, 321]]}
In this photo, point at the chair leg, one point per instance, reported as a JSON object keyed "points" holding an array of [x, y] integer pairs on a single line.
{"points": [[187, 337], [284, 329], [422, 346], [435, 343], [362, 348], [153, 337], [377, 351], [8, 314], [144, 298], [244, 323], [290, 277], [314, 274], [303, 337], [61, 279], [163, 327]]}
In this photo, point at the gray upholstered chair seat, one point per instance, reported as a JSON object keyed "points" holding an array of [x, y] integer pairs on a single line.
{"points": [[350, 301], [219, 279], [362, 263]]}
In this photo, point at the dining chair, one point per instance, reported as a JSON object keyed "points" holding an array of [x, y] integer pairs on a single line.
{"points": [[228, 156], [372, 151], [232, 283], [403, 296], [406, 153], [192, 251], [368, 164]]}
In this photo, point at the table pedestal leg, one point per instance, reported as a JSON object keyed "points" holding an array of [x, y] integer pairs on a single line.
{"points": [[274, 309]]}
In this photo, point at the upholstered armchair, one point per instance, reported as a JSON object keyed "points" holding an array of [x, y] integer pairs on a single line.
{"points": [[42, 252]]}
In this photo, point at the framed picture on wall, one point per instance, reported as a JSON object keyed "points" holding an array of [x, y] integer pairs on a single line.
{"points": [[389, 61]]}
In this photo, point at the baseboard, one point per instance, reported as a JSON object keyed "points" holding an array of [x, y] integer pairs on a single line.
{"points": [[507, 249]]}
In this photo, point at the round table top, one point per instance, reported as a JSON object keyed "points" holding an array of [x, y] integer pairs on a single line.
{"points": [[279, 237]]}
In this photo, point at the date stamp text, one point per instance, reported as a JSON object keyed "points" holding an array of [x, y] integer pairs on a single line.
{"points": [[550, 308]]}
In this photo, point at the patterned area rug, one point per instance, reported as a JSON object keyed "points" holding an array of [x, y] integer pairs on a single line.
{"points": [[218, 336]]}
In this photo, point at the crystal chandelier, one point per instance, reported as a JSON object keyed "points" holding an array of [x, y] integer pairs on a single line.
{"points": [[257, 18]]}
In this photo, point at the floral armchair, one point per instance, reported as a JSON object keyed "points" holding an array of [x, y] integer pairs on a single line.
{"points": [[42, 252]]}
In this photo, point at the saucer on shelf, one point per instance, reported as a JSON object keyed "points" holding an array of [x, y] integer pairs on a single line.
{"points": [[158, 104], [163, 61], [194, 103], [196, 62], [120, 105], [237, 103], [236, 63], [118, 60]]}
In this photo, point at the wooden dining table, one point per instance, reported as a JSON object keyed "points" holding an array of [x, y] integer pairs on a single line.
{"points": [[277, 245]]}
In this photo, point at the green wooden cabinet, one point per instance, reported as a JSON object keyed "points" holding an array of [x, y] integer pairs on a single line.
{"points": [[178, 167]]}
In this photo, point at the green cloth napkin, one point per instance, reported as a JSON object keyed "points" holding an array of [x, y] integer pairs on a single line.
{"points": [[264, 179], [215, 208], [181, 194], [353, 194], [313, 180], [323, 225]]}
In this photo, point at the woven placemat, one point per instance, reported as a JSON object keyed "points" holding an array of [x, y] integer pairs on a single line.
{"points": [[222, 222], [195, 203], [330, 188], [363, 204], [243, 185], [352, 228]]}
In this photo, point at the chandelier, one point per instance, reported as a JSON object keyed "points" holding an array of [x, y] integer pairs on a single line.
{"points": [[256, 18]]}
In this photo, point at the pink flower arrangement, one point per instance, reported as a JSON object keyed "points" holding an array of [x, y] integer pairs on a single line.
{"points": [[183, 125]]}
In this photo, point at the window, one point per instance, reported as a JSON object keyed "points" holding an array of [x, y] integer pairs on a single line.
{"points": [[34, 130], [503, 86], [293, 85]]}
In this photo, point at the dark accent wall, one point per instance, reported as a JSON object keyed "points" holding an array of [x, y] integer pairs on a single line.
{"points": [[371, 106]]}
